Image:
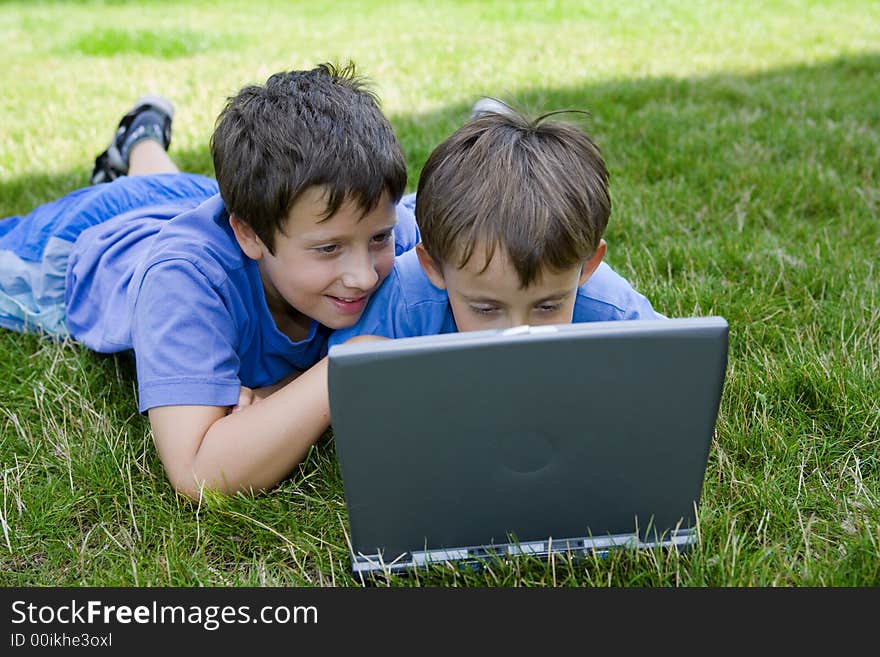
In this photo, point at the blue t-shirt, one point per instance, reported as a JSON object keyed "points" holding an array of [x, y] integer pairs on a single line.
{"points": [[180, 292], [409, 305]]}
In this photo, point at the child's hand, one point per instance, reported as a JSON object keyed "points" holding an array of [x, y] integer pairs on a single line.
{"points": [[246, 397], [250, 396]]}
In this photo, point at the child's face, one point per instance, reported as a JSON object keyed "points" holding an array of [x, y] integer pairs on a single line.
{"points": [[323, 270], [493, 299]]}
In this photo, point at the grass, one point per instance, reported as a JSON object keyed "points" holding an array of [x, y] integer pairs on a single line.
{"points": [[743, 144]]}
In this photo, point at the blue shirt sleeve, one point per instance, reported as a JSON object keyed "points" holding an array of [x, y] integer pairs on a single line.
{"points": [[406, 232], [608, 296], [184, 339]]}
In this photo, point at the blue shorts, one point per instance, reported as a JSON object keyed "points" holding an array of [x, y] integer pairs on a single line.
{"points": [[35, 248]]}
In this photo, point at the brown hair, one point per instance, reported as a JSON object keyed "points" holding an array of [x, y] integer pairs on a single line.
{"points": [[536, 188], [304, 128]]}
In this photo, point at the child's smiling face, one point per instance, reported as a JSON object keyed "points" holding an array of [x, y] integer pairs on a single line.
{"points": [[324, 269]]}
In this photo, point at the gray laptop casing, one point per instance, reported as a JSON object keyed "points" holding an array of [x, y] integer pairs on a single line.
{"points": [[530, 440]]}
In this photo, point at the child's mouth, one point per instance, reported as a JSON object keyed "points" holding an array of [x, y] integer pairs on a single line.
{"points": [[349, 305]]}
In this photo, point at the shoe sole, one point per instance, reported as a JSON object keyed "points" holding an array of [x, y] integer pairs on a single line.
{"points": [[159, 102]]}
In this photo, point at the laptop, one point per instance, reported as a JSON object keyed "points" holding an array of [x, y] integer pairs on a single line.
{"points": [[572, 438]]}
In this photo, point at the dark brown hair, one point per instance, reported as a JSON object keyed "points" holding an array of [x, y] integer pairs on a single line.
{"points": [[304, 128], [536, 188]]}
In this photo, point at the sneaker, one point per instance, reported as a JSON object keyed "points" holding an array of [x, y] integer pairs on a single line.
{"points": [[488, 105], [150, 118]]}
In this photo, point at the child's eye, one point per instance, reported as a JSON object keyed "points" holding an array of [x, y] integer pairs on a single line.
{"points": [[327, 249], [548, 307], [383, 238], [483, 310]]}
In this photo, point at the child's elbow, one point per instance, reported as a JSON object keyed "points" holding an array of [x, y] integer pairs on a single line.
{"points": [[195, 489], [187, 483], [187, 487]]}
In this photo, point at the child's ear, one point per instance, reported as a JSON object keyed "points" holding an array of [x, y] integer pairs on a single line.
{"points": [[247, 239], [432, 268], [593, 263]]}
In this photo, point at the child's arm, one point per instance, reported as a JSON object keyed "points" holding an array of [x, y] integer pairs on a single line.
{"points": [[249, 450]]}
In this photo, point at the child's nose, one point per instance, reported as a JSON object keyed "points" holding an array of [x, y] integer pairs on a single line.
{"points": [[518, 318], [360, 272]]}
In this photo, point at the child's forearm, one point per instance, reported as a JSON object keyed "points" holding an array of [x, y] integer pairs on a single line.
{"points": [[253, 448], [259, 446]]}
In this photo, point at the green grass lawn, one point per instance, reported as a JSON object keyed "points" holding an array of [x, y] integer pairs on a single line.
{"points": [[744, 144]]}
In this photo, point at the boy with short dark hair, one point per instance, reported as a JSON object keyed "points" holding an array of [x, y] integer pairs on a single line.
{"points": [[224, 298], [511, 214]]}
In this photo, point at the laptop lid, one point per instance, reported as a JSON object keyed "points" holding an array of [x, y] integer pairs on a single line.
{"points": [[532, 439]]}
